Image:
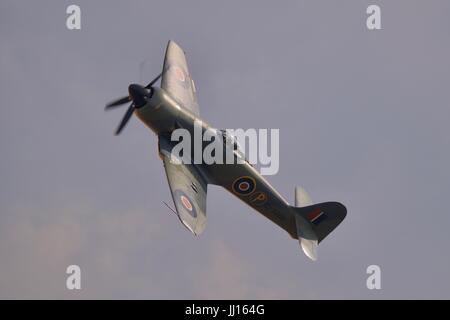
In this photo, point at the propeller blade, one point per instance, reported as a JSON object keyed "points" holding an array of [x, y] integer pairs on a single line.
{"points": [[154, 81], [118, 102], [125, 119]]}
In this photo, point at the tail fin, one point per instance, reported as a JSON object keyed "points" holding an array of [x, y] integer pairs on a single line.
{"points": [[315, 222], [323, 217], [302, 198]]}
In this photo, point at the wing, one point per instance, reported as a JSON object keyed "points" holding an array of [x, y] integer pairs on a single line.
{"points": [[188, 188], [176, 79]]}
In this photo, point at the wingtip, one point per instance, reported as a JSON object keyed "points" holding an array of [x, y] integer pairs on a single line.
{"points": [[173, 43]]}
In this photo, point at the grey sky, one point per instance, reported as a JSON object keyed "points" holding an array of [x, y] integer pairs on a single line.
{"points": [[363, 118]]}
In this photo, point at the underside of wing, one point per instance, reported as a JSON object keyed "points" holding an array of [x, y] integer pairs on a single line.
{"points": [[188, 188], [177, 80]]}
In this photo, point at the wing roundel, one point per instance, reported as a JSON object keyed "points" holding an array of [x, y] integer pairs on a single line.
{"points": [[188, 188], [177, 80]]}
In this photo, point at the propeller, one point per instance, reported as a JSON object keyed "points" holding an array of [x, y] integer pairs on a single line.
{"points": [[118, 102], [138, 96], [154, 80]]}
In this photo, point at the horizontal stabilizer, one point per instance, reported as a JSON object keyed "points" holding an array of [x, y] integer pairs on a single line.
{"points": [[322, 217]]}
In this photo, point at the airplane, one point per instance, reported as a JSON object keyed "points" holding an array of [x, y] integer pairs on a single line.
{"points": [[174, 105]]}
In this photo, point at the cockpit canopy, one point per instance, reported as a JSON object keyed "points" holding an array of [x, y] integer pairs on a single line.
{"points": [[232, 142]]}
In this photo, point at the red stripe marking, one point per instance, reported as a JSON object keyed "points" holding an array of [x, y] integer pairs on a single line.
{"points": [[186, 203], [314, 214]]}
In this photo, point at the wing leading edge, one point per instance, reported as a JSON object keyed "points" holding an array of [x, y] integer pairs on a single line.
{"points": [[188, 188]]}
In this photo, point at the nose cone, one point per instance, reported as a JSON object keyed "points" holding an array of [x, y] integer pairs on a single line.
{"points": [[139, 94]]}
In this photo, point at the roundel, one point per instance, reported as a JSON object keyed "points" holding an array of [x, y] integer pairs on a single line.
{"points": [[179, 74], [184, 202], [244, 185]]}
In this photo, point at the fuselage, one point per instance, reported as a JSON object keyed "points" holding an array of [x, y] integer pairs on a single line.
{"points": [[162, 114]]}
